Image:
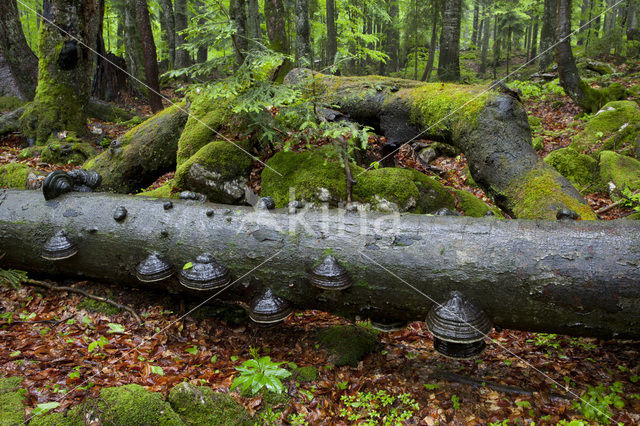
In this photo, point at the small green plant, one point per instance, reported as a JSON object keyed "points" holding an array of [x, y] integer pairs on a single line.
{"points": [[368, 408], [156, 369], [596, 403], [455, 399], [257, 373], [97, 344], [12, 277], [298, 419], [115, 328]]}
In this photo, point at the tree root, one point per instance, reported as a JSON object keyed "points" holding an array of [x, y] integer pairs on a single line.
{"points": [[85, 294]]}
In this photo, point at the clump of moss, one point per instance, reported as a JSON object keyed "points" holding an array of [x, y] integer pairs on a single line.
{"points": [[348, 344], [578, 168], [537, 143], [134, 405], [9, 103], [11, 401], [67, 151], [30, 152], [472, 206], [199, 405], [533, 192], [305, 374], [163, 191], [14, 175], [535, 124], [92, 305], [621, 170], [616, 127]]}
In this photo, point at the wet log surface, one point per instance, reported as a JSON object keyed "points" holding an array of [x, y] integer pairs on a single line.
{"points": [[580, 278]]}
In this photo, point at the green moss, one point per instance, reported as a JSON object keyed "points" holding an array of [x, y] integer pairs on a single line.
{"points": [[30, 152], [305, 374], [617, 126], [14, 175], [537, 143], [134, 405], [11, 401], [578, 168], [163, 191], [218, 156], [621, 170], [535, 124], [472, 206], [348, 344], [534, 192], [201, 406], [201, 126], [9, 103], [92, 305], [67, 151], [73, 418]]}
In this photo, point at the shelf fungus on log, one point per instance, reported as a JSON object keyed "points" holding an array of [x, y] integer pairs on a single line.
{"points": [[56, 183], [387, 326], [154, 268], [330, 275], [59, 247], [458, 327], [269, 309], [205, 274]]}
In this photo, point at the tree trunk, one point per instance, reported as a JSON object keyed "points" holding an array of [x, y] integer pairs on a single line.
{"points": [[547, 35], [15, 50], [426, 76], [332, 40], [149, 52], [203, 51], [303, 47], [276, 30], [253, 23], [486, 30], [449, 59], [238, 12], [474, 32], [180, 18], [490, 128], [110, 78], [170, 29], [577, 278], [392, 37], [133, 48], [534, 42], [65, 69]]}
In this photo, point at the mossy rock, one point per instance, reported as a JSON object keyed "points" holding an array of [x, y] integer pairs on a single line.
{"points": [[30, 152], [220, 170], [533, 192], [578, 168], [163, 191], [199, 405], [621, 170], [348, 344], [12, 396], [537, 143], [472, 206], [316, 179], [74, 417], [92, 305], [67, 151], [14, 175], [535, 124], [616, 125], [134, 405], [9, 103]]}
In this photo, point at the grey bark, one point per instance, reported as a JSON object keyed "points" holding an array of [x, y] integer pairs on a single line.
{"points": [[133, 47], [238, 12], [486, 33], [547, 35], [449, 58], [253, 23], [426, 75], [10, 122], [149, 55], [332, 40], [180, 13], [203, 51], [303, 46], [577, 278], [169, 24]]}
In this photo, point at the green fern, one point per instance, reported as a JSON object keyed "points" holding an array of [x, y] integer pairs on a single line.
{"points": [[12, 277]]}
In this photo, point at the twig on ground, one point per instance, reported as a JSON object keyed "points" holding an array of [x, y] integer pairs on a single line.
{"points": [[609, 207], [85, 294]]}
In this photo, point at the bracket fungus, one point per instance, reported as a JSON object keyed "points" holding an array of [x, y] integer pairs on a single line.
{"points": [[120, 214], [85, 180], [458, 327], [56, 183], [567, 214], [153, 268], [59, 247], [205, 274], [387, 326], [330, 275], [268, 308]]}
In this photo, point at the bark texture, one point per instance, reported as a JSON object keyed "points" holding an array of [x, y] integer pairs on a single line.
{"points": [[169, 24], [303, 45], [15, 50], [276, 31], [449, 59], [547, 35], [180, 13], [149, 55], [332, 35], [578, 278]]}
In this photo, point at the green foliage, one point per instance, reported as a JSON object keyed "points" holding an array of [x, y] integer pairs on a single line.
{"points": [[368, 408], [12, 277], [538, 91], [257, 373], [596, 403]]}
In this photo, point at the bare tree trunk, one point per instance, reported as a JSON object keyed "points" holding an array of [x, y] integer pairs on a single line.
{"points": [[482, 69], [303, 47], [449, 59], [203, 51], [238, 12], [426, 76], [170, 29], [253, 23], [547, 35], [392, 38], [534, 42], [15, 50], [133, 48], [476, 22], [276, 29], [180, 13], [149, 53]]}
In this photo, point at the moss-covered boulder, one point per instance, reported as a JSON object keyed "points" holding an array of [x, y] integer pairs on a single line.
{"points": [[134, 405], [220, 170], [472, 206], [143, 154], [316, 179], [12, 398], [348, 344], [616, 127], [9, 103], [621, 170], [206, 119], [163, 191], [67, 151], [199, 405], [578, 168], [15, 175]]}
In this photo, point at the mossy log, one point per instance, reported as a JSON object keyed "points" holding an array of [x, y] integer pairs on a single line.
{"points": [[489, 126], [573, 277]]}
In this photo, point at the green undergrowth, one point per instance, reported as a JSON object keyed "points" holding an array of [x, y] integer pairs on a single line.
{"points": [[12, 398], [14, 175], [348, 344], [163, 191]]}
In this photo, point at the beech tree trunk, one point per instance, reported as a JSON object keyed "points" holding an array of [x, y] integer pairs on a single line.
{"points": [[169, 29], [426, 75], [303, 46], [149, 53], [253, 23], [238, 12], [276, 30], [180, 19], [332, 40], [547, 35], [15, 50], [486, 33], [449, 59], [577, 278]]}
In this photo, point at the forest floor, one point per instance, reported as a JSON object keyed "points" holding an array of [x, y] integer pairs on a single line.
{"points": [[522, 377]]}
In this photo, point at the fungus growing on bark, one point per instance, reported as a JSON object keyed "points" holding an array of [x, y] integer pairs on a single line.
{"points": [[330, 275], [268, 308], [153, 268], [205, 274], [59, 247]]}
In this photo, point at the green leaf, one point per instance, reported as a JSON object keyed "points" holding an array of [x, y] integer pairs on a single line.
{"points": [[44, 408], [14, 354], [193, 350], [188, 265], [115, 328], [156, 369]]}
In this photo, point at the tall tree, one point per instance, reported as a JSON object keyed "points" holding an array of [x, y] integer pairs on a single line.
{"points": [[435, 13], [238, 12], [168, 25], [486, 33], [149, 53], [15, 50], [133, 47], [253, 23], [547, 34], [332, 35], [449, 58], [276, 29], [475, 24], [180, 13], [303, 46], [68, 37]]}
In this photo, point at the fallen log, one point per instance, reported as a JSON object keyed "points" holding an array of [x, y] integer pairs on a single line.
{"points": [[571, 277]]}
